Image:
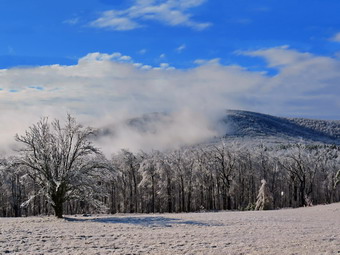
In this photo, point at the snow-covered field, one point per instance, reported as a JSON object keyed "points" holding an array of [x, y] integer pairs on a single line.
{"points": [[312, 230]]}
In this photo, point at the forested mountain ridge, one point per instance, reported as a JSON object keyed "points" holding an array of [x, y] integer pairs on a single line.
{"points": [[257, 125]]}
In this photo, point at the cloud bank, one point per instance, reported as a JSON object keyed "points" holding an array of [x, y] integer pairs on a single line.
{"points": [[107, 89]]}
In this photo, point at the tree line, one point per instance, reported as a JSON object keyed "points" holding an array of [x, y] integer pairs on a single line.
{"points": [[58, 170]]}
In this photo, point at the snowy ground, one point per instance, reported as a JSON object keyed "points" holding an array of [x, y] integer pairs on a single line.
{"points": [[313, 230]]}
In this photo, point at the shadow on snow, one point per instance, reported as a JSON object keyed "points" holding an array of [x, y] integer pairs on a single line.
{"points": [[157, 221]]}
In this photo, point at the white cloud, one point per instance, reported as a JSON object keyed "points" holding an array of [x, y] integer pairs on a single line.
{"points": [[336, 37], [279, 56], [214, 61], [125, 58], [96, 56], [115, 20], [181, 48], [164, 66], [305, 84], [102, 89], [146, 67], [168, 12]]}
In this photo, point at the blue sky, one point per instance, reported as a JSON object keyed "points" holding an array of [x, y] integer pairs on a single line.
{"points": [[42, 32], [108, 60]]}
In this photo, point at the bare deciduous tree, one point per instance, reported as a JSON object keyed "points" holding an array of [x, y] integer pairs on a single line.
{"points": [[60, 159]]}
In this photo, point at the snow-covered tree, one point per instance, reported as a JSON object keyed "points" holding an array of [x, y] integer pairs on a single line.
{"points": [[264, 198], [302, 163], [4, 189], [224, 157], [166, 182], [127, 164], [10, 188], [149, 171], [182, 165], [61, 160]]}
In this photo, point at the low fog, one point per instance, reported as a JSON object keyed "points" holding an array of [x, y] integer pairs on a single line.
{"points": [[159, 131]]}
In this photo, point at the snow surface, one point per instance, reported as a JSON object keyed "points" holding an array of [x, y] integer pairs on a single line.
{"points": [[312, 230]]}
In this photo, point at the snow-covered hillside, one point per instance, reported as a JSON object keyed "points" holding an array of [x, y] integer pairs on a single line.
{"points": [[245, 124]]}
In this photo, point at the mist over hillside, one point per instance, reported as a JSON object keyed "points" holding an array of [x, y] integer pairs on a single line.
{"points": [[170, 131], [159, 131]]}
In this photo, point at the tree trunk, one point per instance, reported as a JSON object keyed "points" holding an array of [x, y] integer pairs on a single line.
{"points": [[58, 208], [113, 199], [182, 195], [153, 194], [228, 201], [302, 193], [58, 199], [131, 202], [169, 195]]}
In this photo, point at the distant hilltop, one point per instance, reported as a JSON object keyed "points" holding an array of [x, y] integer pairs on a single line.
{"points": [[253, 125]]}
